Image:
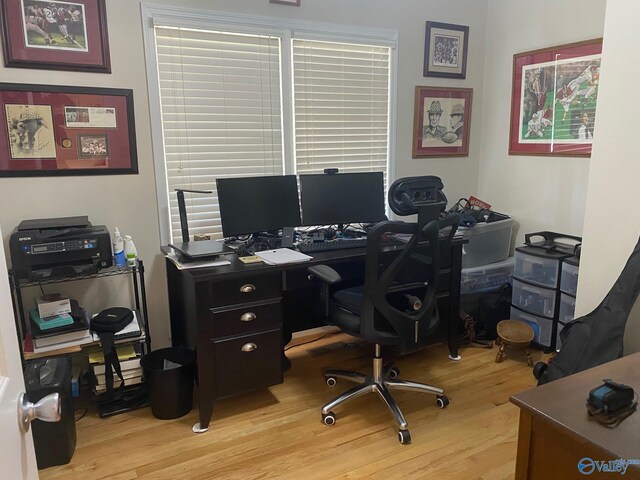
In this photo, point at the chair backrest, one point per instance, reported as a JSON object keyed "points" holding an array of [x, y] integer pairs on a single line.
{"points": [[399, 304]]}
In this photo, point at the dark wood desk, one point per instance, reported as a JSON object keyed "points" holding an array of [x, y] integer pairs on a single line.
{"points": [[233, 316], [555, 431]]}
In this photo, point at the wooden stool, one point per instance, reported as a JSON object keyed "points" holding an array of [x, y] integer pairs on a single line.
{"points": [[516, 333]]}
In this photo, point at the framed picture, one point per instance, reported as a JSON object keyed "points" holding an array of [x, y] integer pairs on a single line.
{"points": [[56, 35], [295, 3], [53, 131], [441, 121], [553, 100], [445, 50]]}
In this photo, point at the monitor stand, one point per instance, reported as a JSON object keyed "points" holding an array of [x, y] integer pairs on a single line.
{"points": [[201, 250]]}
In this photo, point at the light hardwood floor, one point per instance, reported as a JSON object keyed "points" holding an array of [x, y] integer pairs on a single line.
{"points": [[277, 433]]}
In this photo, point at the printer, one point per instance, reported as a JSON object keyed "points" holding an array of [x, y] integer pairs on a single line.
{"points": [[59, 247]]}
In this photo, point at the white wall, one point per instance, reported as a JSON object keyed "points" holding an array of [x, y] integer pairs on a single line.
{"points": [[612, 223], [129, 201], [541, 193]]}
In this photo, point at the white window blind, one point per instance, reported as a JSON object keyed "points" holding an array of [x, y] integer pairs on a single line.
{"points": [[341, 103], [221, 115]]}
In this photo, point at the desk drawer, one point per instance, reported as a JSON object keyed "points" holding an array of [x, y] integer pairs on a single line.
{"points": [[246, 289], [249, 318], [247, 363]]}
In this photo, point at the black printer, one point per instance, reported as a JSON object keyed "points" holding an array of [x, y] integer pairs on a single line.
{"points": [[59, 247]]}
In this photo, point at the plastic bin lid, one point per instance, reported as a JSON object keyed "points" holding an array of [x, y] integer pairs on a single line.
{"points": [[539, 252]]}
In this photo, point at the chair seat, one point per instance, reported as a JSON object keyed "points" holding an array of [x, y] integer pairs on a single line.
{"points": [[346, 308]]}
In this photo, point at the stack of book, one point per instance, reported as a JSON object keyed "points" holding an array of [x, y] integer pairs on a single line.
{"points": [[129, 363], [59, 331]]}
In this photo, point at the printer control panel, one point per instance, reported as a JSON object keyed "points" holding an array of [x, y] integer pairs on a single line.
{"points": [[66, 246]]}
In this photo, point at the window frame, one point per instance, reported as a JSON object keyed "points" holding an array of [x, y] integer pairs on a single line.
{"points": [[286, 29]]}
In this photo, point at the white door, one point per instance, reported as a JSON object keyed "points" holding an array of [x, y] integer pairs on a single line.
{"points": [[17, 456]]}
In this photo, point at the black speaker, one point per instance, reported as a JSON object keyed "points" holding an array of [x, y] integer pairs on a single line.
{"points": [[54, 442]]}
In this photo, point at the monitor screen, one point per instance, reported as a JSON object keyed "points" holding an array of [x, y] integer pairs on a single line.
{"points": [[258, 204], [342, 198]]}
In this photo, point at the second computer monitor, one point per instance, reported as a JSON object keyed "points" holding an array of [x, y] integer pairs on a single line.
{"points": [[258, 204], [342, 198]]}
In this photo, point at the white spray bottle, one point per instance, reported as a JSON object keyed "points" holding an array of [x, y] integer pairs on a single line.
{"points": [[130, 252]]}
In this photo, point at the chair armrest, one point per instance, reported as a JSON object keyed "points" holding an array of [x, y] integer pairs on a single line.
{"points": [[325, 273]]}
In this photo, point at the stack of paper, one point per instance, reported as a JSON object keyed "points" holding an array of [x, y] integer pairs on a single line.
{"points": [[282, 256], [131, 372]]}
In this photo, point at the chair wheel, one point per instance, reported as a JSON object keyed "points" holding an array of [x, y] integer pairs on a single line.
{"points": [[329, 418], [538, 369], [394, 372], [442, 401], [331, 381], [404, 436]]}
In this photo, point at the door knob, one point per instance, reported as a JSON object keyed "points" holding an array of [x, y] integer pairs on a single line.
{"points": [[47, 409]]}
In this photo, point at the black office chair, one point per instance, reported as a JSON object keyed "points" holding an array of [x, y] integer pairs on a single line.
{"points": [[396, 306]]}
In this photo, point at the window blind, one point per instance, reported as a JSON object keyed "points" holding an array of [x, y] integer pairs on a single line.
{"points": [[341, 104], [221, 115]]}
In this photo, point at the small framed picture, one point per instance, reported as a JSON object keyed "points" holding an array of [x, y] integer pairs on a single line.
{"points": [[441, 121], [445, 50], [293, 3], [93, 146]]}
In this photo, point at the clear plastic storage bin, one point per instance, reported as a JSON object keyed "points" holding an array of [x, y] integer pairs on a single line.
{"points": [[488, 243], [542, 327], [539, 270], [536, 300], [569, 278], [486, 277], [567, 308]]}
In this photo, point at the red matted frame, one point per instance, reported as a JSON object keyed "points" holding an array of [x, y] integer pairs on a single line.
{"points": [[553, 102], [58, 131], [448, 138], [85, 21]]}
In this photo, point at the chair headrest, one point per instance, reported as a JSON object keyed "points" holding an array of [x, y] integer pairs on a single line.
{"points": [[407, 195]]}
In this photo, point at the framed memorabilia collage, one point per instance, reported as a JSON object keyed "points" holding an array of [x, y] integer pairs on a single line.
{"points": [[553, 101], [53, 131]]}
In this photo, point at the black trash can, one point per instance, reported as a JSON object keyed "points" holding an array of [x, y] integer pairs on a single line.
{"points": [[169, 374]]}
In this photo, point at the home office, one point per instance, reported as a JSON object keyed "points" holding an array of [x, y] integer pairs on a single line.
{"points": [[569, 194]]}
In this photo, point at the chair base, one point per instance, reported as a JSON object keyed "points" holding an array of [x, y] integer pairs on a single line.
{"points": [[382, 380]]}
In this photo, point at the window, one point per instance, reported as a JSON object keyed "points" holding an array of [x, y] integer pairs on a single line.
{"points": [[247, 96]]}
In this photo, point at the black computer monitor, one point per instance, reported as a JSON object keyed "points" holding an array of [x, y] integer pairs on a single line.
{"points": [[342, 198], [258, 204]]}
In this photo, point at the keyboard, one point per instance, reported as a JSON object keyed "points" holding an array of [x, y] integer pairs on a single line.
{"points": [[337, 244]]}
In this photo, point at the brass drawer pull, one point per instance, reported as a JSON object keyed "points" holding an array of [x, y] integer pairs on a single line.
{"points": [[248, 288], [247, 317], [249, 347]]}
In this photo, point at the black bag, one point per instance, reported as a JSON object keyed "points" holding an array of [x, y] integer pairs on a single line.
{"points": [[598, 337], [105, 325]]}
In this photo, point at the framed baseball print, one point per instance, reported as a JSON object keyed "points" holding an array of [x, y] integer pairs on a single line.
{"points": [[441, 121], [56, 35], [554, 98], [53, 131]]}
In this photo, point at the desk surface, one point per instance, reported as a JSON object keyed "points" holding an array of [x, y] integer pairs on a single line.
{"points": [[563, 403], [237, 268]]}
